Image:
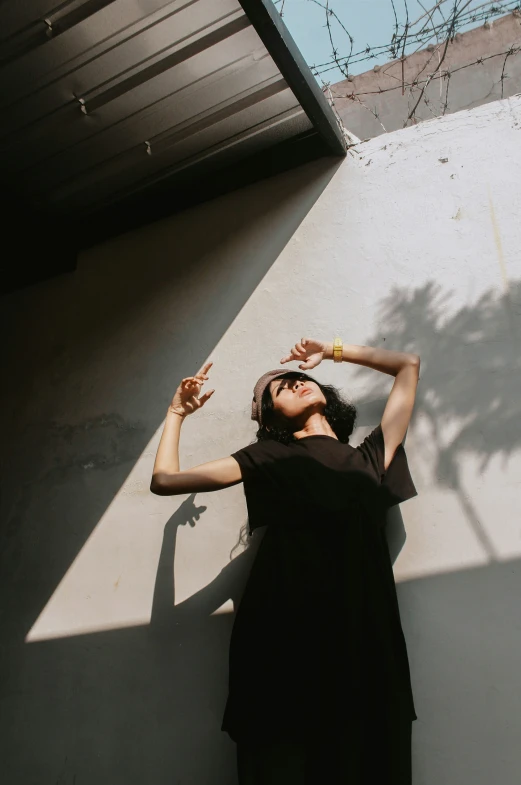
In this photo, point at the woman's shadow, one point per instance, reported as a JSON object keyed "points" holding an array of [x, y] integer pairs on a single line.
{"points": [[189, 665], [228, 585]]}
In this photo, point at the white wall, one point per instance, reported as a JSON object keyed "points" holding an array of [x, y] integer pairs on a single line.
{"points": [[394, 247]]}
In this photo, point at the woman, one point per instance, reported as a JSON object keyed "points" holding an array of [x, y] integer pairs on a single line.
{"points": [[319, 684]]}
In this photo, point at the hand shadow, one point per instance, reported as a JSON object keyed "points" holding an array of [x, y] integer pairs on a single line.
{"points": [[228, 585]]}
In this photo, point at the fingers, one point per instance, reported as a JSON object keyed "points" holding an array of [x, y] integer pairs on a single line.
{"points": [[190, 382], [205, 397], [199, 378], [204, 370], [297, 353], [201, 374]]}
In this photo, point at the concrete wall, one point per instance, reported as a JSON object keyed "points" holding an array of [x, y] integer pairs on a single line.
{"points": [[372, 103], [116, 603]]}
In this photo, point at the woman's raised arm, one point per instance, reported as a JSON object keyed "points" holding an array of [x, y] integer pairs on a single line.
{"points": [[404, 366], [211, 476], [167, 478]]}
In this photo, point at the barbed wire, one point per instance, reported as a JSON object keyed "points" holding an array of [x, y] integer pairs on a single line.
{"points": [[433, 30], [408, 37], [418, 83]]}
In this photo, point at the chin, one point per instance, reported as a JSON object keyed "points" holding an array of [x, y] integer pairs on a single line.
{"points": [[312, 402]]}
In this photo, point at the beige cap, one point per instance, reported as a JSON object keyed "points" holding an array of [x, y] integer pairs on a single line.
{"points": [[259, 388]]}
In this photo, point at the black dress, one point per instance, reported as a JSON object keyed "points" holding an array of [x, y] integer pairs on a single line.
{"points": [[317, 654]]}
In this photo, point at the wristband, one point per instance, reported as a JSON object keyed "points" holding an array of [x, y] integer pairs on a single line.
{"points": [[337, 350]]}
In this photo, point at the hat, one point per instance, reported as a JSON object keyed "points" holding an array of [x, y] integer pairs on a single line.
{"points": [[259, 388]]}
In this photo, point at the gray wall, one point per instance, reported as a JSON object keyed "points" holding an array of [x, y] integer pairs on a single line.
{"points": [[102, 680], [116, 603], [378, 106]]}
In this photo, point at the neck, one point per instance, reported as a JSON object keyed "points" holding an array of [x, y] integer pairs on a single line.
{"points": [[316, 425]]}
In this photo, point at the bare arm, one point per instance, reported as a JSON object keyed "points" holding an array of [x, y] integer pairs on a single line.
{"points": [[398, 409], [167, 477], [404, 366]]}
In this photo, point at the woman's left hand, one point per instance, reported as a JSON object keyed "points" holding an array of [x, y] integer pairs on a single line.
{"points": [[310, 352]]}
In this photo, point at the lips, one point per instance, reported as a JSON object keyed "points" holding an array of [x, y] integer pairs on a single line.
{"points": [[304, 391]]}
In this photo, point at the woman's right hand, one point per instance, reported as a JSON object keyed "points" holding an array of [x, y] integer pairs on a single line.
{"points": [[186, 400]]}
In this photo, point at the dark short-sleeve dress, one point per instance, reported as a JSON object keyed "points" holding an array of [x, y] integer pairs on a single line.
{"points": [[317, 639]]}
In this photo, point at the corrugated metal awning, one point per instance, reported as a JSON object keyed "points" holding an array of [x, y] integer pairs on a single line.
{"points": [[111, 105]]}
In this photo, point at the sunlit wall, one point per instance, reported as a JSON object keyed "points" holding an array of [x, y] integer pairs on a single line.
{"points": [[117, 603]]}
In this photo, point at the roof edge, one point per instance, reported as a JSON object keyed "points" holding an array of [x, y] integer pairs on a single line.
{"points": [[277, 39]]}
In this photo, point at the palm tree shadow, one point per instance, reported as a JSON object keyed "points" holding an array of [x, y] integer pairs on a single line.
{"points": [[468, 402]]}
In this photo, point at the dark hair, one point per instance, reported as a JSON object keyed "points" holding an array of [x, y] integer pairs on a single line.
{"points": [[339, 413]]}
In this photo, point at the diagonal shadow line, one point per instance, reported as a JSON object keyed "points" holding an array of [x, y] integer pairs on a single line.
{"points": [[71, 451]]}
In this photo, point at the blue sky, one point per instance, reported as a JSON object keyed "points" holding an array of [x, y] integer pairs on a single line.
{"points": [[370, 22]]}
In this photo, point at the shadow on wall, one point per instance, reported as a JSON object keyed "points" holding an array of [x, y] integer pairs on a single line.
{"points": [[92, 359], [140, 705], [144, 704], [470, 379], [463, 627]]}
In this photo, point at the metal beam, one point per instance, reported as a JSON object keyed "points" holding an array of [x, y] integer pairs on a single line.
{"points": [[276, 38]]}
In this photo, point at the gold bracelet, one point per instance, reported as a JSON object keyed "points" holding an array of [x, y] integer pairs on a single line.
{"points": [[337, 350]]}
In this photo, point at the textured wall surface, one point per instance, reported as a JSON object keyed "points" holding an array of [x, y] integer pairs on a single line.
{"points": [[116, 603]]}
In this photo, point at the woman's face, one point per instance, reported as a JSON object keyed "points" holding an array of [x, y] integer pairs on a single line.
{"points": [[296, 398]]}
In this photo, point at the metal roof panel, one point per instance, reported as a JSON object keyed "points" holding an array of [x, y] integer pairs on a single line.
{"points": [[106, 99]]}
